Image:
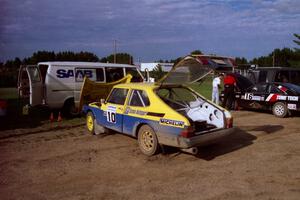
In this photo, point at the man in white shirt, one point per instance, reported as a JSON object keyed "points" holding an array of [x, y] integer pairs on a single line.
{"points": [[216, 85]]}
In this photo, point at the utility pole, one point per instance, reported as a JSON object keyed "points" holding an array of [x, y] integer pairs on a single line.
{"points": [[115, 51], [274, 59]]}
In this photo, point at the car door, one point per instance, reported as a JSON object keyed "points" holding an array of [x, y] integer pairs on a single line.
{"points": [[255, 96], [113, 109], [136, 110]]}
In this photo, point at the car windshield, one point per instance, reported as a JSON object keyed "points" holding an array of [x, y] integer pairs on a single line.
{"points": [[293, 87]]}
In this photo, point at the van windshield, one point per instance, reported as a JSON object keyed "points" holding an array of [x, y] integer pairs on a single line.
{"points": [[136, 77]]}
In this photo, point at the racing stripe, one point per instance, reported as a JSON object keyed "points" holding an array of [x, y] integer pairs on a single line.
{"points": [[272, 97], [269, 97], [283, 89]]}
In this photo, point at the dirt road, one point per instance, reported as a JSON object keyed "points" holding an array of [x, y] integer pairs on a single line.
{"points": [[260, 161]]}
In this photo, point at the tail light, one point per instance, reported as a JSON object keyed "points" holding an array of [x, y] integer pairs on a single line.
{"points": [[189, 132], [229, 122]]}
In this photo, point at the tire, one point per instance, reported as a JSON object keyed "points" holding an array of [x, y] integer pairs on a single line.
{"points": [[147, 140], [69, 109], [90, 123], [280, 110]]}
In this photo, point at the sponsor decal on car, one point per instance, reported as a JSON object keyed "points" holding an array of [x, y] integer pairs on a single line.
{"points": [[292, 106], [289, 98], [133, 111], [283, 89], [171, 122], [111, 114], [250, 96]]}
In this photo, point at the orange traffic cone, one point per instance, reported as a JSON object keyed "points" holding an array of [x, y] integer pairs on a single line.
{"points": [[51, 118], [59, 118]]}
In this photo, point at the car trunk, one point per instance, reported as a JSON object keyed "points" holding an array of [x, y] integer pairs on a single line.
{"points": [[203, 115]]}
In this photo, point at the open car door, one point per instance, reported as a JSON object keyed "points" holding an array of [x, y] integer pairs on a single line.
{"points": [[92, 91]]}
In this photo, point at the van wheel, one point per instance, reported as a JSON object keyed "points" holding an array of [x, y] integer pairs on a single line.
{"points": [[280, 110], [147, 140], [69, 109]]}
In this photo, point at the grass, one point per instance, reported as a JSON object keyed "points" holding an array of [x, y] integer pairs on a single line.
{"points": [[205, 88], [38, 116], [8, 93]]}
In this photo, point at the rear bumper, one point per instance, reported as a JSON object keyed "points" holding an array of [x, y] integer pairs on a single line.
{"points": [[204, 139]]}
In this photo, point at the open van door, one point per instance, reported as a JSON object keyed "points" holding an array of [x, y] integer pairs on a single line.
{"points": [[30, 84]]}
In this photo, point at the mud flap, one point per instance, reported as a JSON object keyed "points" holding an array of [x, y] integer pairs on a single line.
{"points": [[98, 129]]}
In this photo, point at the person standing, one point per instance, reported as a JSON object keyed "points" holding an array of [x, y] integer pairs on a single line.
{"points": [[216, 85], [229, 86]]}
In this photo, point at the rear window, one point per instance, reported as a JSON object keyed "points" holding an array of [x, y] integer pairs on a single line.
{"points": [[177, 94]]}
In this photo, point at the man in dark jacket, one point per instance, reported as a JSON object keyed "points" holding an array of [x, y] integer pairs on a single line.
{"points": [[229, 85]]}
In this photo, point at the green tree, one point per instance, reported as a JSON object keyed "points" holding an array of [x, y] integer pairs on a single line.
{"points": [[196, 52], [241, 61], [157, 72], [285, 57], [122, 58], [40, 56]]}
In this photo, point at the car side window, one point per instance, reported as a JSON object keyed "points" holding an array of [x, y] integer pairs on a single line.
{"points": [[139, 98], [273, 89], [118, 96], [262, 77], [261, 88]]}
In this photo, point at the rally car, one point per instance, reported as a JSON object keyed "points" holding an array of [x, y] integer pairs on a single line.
{"points": [[163, 113], [280, 98]]}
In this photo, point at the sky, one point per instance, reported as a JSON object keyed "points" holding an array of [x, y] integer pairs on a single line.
{"points": [[149, 30]]}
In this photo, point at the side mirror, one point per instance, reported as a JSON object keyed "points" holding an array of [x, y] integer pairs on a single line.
{"points": [[102, 101]]}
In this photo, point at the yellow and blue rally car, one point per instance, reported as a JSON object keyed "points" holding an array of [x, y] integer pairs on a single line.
{"points": [[164, 113]]}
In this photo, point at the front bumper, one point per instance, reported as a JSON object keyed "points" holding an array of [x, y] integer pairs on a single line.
{"points": [[204, 139]]}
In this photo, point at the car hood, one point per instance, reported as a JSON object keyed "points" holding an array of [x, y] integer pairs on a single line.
{"points": [[242, 82], [193, 68]]}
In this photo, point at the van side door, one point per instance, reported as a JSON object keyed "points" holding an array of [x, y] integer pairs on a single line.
{"points": [[35, 85]]}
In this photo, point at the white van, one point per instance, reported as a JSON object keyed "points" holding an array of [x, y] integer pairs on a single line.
{"points": [[57, 84]]}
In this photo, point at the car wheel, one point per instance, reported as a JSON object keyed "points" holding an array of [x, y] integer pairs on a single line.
{"points": [[280, 109], [90, 122], [147, 140]]}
